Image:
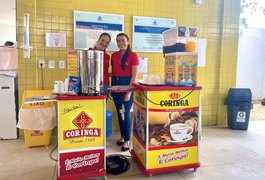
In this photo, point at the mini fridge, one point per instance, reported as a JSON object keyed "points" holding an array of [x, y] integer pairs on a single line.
{"points": [[8, 107]]}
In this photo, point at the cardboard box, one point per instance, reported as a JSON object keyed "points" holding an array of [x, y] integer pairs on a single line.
{"points": [[181, 68]]}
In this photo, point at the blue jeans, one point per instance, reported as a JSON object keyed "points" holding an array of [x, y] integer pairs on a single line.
{"points": [[118, 98]]}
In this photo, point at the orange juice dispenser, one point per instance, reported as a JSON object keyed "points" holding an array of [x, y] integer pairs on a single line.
{"points": [[191, 44]]}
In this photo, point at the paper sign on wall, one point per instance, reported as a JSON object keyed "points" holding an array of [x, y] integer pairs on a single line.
{"points": [[143, 64], [201, 49], [55, 40]]}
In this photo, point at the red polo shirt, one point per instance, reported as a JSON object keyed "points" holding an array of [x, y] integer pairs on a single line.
{"points": [[116, 64]]}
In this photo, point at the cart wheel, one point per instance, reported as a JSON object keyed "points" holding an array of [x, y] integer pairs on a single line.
{"points": [[195, 169]]}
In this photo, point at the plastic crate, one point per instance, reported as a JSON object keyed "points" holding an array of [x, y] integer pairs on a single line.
{"points": [[37, 138]]}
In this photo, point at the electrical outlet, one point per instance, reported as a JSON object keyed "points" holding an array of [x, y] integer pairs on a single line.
{"points": [[61, 64], [51, 64], [42, 64]]}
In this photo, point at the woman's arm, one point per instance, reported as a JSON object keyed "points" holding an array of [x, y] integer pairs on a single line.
{"points": [[135, 70]]}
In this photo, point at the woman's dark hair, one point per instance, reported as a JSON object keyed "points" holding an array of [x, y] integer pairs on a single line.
{"points": [[127, 52], [105, 34]]}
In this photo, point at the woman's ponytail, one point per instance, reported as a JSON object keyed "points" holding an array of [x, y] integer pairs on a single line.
{"points": [[125, 57]]}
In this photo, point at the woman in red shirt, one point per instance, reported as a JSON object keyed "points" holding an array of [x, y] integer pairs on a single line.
{"points": [[125, 67], [101, 45]]}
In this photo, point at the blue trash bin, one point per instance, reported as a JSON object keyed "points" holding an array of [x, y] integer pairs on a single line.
{"points": [[108, 123], [239, 103]]}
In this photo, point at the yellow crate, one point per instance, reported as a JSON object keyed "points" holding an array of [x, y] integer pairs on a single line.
{"points": [[37, 138]]}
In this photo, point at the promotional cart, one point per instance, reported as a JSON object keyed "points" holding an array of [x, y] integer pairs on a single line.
{"points": [[81, 136], [166, 128]]}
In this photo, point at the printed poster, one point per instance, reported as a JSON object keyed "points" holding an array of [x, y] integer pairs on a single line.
{"points": [[55, 39], [143, 64], [147, 33], [81, 135], [81, 124], [176, 120], [166, 133], [163, 158], [81, 162], [89, 25]]}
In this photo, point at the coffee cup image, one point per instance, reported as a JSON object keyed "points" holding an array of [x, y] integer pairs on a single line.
{"points": [[180, 132]]}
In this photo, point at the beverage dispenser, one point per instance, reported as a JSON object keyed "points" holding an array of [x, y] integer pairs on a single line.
{"points": [[90, 70], [82, 72], [95, 72]]}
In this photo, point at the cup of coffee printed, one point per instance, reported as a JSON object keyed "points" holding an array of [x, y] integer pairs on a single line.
{"points": [[179, 131]]}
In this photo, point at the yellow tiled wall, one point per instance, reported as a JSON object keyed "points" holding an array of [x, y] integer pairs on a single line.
{"points": [[217, 20]]}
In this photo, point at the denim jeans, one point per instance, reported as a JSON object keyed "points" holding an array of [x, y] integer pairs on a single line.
{"points": [[118, 98]]}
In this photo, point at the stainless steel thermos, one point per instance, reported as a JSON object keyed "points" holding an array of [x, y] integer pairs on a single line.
{"points": [[82, 72], [90, 70], [95, 71]]}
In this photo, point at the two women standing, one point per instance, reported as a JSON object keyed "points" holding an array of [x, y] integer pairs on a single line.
{"points": [[125, 67]]}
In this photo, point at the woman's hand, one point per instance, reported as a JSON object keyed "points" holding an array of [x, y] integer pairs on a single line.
{"points": [[127, 96]]}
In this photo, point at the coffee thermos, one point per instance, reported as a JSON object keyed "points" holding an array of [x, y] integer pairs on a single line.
{"points": [[95, 71], [82, 71], [90, 70]]}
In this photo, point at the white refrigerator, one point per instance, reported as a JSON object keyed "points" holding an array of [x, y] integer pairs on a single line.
{"points": [[8, 113]]}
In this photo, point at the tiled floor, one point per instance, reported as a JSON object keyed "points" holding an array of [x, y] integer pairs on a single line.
{"points": [[224, 154]]}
